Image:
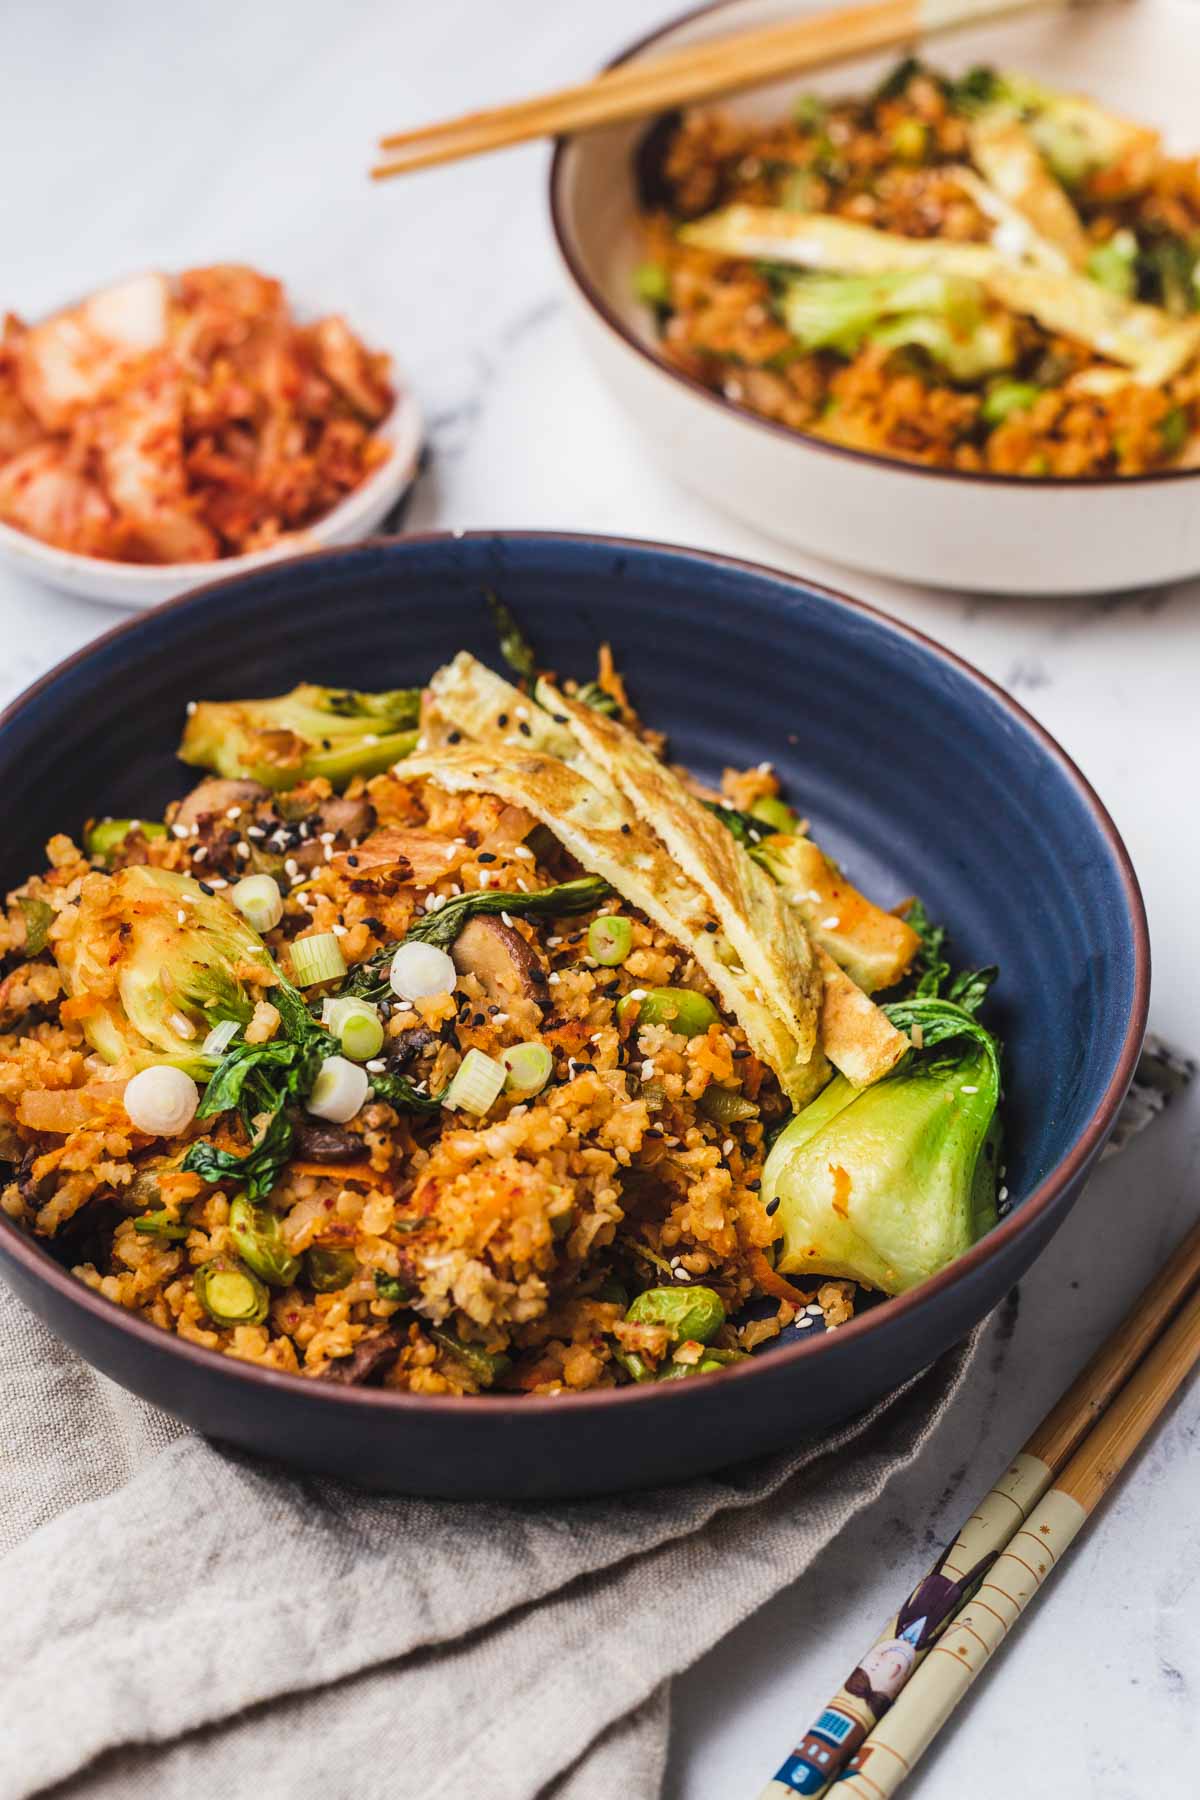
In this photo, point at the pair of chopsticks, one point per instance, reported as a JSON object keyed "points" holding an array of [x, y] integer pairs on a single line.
{"points": [[680, 77], [894, 1703]]}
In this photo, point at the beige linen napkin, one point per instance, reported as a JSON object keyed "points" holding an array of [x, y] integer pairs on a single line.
{"points": [[181, 1620]]}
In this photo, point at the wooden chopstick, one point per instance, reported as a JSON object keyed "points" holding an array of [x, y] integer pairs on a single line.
{"points": [[906, 1732], [682, 76], [1065, 1455]]}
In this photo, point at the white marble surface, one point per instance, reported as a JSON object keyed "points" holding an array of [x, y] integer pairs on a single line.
{"points": [[133, 135]]}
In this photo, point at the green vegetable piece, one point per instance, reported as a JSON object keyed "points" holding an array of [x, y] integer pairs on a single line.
{"points": [[485, 1366], [328, 1270], [687, 1312], [1114, 264], [776, 813], [162, 1224], [180, 965], [652, 284], [1004, 398], [598, 698], [711, 1363], [390, 1287], [1172, 266], [230, 1294], [1174, 431], [810, 112], [334, 733], [259, 1242], [515, 647], [944, 315], [686, 1012], [802, 191], [104, 837], [38, 916], [727, 1106], [610, 939], [910, 140], [886, 1185]]}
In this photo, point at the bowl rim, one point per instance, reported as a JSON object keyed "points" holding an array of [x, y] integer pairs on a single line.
{"points": [[38, 1264], [572, 262]]}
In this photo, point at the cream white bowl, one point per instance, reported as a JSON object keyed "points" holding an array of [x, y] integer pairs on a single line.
{"points": [[949, 529], [139, 585]]}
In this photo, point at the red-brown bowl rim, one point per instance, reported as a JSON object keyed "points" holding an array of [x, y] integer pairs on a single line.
{"points": [[40, 1265], [788, 433]]}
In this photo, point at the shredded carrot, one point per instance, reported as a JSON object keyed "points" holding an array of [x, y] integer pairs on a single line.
{"points": [[771, 1283], [841, 1190], [358, 1171], [81, 1006]]}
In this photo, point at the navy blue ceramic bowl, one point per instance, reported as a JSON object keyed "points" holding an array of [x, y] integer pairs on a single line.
{"points": [[917, 773]]}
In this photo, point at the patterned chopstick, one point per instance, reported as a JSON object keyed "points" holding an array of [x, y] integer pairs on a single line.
{"points": [[906, 1731], [866, 1710]]}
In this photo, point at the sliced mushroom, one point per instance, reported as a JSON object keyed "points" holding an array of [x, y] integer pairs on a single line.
{"points": [[327, 1144], [499, 958], [215, 797], [370, 1358]]}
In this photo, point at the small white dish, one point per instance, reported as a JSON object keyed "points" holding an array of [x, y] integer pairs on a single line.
{"points": [[942, 528], [141, 585]]}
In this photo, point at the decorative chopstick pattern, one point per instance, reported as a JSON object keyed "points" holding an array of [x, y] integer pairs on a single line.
{"points": [[680, 77], [862, 1716]]}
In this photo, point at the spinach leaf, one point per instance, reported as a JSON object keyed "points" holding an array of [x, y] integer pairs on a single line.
{"points": [[398, 1091], [748, 830], [931, 969]]}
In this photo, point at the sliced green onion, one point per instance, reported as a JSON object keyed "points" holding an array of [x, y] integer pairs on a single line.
{"points": [[340, 1090], [38, 917], [727, 1106], [1005, 398], [776, 813], [486, 1366], [230, 1294], [652, 283], [317, 958], [162, 1224], [477, 1083], [258, 899], [1174, 431], [528, 1068], [358, 1025], [390, 1287], [220, 1038], [328, 1270], [610, 939], [684, 1011], [106, 836]]}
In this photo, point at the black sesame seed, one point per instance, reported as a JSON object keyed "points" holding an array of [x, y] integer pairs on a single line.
{"points": [[502, 721], [772, 1206], [524, 729], [374, 925], [652, 1131], [352, 861], [493, 1010], [454, 737], [754, 1185], [740, 1055], [478, 1020], [711, 925], [485, 856], [559, 718], [627, 829], [205, 889]]}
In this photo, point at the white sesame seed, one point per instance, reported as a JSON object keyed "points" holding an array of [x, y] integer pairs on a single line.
{"points": [[552, 941], [523, 885], [500, 1018], [968, 1090], [728, 1147], [520, 712], [521, 850], [191, 707], [637, 993], [1003, 1193], [506, 918], [181, 831], [831, 923], [200, 854], [647, 1069], [338, 930], [813, 1311], [181, 916], [327, 852], [233, 812], [553, 978], [214, 883], [375, 1066], [802, 1323], [291, 868], [242, 850], [372, 737]]}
